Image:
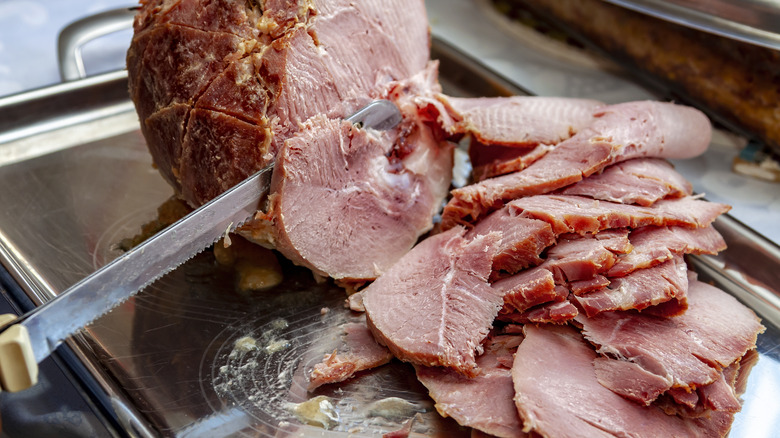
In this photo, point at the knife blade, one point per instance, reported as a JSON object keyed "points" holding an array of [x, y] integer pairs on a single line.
{"points": [[27, 340]]}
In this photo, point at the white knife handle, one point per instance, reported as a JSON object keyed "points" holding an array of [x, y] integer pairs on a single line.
{"points": [[18, 368]]}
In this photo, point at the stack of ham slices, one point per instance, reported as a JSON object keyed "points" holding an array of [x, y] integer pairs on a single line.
{"points": [[556, 299], [553, 298]]}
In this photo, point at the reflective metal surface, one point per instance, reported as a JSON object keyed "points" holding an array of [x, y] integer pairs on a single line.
{"points": [[752, 21], [170, 356]]}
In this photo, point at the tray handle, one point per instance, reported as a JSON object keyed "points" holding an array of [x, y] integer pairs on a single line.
{"points": [[76, 34]]}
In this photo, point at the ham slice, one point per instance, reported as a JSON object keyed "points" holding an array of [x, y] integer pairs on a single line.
{"points": [[664, 287], [483, 402], [576, 214], [653, 245], [645, 356], [510, 133], [434, 307], [344, 209], [639, 181], [528, 289], [522, 239], [557, 394], [577, 257], [358, 352], [519, 120], [620, 132]]}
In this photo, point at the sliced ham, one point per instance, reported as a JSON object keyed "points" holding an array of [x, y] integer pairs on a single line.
{"points": [[522, 239], [483, 402], [653, 245], [557, 394], [341, 207], [519, 120], [510, 133], [358, 352], [639, 181], [577, 257], [577, 214], [528, 289], [644, 356], [620, 132], [560, 312], [665, 284], [434, 307], [490, 161]]}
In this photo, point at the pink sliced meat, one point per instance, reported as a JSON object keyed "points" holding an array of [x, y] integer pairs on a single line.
{"points": [[620, 132], [483, 402], [359, 352], [527, 289], [654, 245], [577, 257], [640, 181], [522, 239], [560, 312], [342, 207], [577, 214], [520, 120], [434, 307], [665, 285], [644, 356], [271, 65], [557, 394], [491, 163]]}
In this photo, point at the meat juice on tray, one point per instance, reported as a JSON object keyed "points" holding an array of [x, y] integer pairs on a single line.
{"points": [[559, 272]]}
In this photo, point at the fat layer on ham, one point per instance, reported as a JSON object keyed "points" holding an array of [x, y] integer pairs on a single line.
{"points": [[434, 307], [644, 356]]}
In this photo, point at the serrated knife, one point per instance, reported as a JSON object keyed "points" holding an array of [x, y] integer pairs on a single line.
{"points": [[29, 339]]}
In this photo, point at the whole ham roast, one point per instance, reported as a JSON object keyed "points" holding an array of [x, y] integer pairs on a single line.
{"points": [[553, 299]]}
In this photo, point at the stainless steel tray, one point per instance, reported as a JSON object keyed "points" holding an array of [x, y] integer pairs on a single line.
{"points": [[166, 358], [751, 21]]}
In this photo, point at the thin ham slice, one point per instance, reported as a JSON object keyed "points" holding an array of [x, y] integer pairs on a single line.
{"points": [[358, 352], [337, 178], [510, 133], [665, 284], [560, 312], [577, 214], [620, 132], [522, 239], [557, 394], [483, 402], [490, 161], [519, 120], [639, 181], [527, 289], [644, 356], [434, 307], [653, 245], [577, 257]]}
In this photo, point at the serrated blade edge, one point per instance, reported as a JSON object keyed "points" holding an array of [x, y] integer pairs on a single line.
{"points": [[117, 281]]}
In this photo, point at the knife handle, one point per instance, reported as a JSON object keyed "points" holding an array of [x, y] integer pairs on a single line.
{"points": [[18, 368]]}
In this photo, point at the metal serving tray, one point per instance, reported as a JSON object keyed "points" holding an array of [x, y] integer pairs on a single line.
{"points": [[76, 178]]}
